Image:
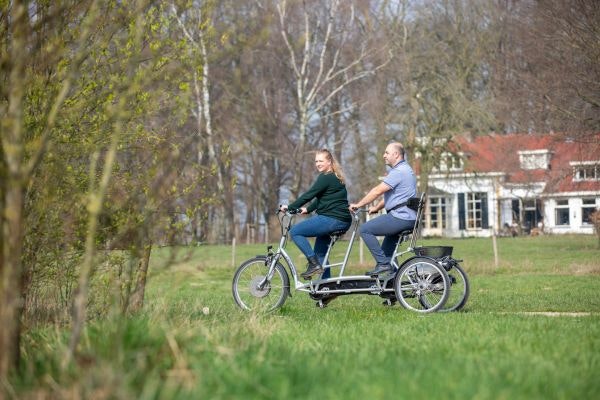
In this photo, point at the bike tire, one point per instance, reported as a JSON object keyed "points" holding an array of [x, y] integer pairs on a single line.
{"points": [[245, 286]]}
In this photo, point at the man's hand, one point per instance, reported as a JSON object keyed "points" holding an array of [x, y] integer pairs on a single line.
{"points": [[353, 207], [373, 210]]}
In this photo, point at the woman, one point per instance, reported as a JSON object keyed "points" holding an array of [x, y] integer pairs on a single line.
{"points": [[330, 203]]}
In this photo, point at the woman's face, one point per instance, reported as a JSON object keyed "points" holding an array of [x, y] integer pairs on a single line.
{"points": [[322, 163]]}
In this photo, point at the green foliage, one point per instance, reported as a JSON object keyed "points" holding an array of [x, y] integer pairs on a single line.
{"points": [[154, 178]]}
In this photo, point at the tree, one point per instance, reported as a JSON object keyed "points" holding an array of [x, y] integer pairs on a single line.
{"points": [[72, 71], [320, 65], [197, 31], [35, 42], [546, 67], [439, 84], [595, 218]]}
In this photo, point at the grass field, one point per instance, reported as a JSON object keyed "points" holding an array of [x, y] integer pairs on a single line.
{"points": [[531, 329]]}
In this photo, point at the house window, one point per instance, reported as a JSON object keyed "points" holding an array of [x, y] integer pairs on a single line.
{"points": [[534, 159], [587, 209], [562, 212], [531, 213], [586, 171], [474, 210], [450, 162], [437, 213]]}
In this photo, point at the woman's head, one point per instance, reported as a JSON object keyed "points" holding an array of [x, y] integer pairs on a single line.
{"points": [[325, 163]]}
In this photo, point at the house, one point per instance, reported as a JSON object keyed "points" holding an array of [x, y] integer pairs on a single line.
{"points": [[516, 183]]}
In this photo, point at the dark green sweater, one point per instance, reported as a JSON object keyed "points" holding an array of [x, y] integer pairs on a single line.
{"points": [[331, 198]]}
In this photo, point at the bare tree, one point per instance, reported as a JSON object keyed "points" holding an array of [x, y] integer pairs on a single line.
{"points": [[546, 66], [438, 81], [317, 60], [194, 22]]}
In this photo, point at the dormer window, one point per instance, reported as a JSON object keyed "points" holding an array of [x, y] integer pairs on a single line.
{"points": [[451, 162], [586, 170], [535, 159]]}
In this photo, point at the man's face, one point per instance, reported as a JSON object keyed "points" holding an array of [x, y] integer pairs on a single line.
{"points": [[391, 156]]}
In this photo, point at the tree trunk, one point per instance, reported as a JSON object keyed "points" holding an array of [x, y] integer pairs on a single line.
{"points": [[136, 301], [11, 305]]}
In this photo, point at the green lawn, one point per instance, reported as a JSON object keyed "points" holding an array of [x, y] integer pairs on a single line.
{"points": [[192, 342]]}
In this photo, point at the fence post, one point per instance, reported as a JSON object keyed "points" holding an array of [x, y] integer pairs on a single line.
{"points": [[233, 252], [495, 246]]}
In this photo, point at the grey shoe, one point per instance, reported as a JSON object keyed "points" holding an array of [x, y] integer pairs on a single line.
{"points": [[379, 269]]}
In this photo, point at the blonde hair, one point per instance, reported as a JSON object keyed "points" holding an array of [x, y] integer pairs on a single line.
{"points": [[335, 166]]}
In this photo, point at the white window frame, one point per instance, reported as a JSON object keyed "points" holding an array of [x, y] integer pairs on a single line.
{"points": [[452, 162], [473, 206], [586, 171], [534, 159], [441, 209]]}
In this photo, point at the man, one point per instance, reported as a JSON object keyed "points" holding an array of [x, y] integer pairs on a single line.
{"points": [[399, 185]]}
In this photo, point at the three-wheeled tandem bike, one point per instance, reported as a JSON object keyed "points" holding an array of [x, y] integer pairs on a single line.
{"points": [[428, 280]]}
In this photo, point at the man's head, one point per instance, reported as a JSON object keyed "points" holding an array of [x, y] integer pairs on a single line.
{"points": [[394, 153]]}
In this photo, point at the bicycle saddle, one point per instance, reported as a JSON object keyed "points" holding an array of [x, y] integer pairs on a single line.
{"points": [[338, 233]]}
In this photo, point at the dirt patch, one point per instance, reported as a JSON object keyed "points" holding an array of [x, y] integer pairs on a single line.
{"points": [[585, 269]]}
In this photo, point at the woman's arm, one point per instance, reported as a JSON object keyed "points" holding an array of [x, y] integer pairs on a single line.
{"points": [[315, 190]]}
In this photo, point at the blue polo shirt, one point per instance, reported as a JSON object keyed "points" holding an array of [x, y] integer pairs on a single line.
{"points": [[403, 182]]}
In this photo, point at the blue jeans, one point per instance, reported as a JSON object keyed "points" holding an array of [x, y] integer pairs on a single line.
{"points": [[384, 225], [319, 227]]}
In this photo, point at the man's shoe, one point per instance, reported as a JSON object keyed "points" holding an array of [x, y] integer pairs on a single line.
{"points": [[379, 269], [314, 267]]}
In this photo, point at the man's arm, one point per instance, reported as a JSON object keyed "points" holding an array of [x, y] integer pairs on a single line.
{"points": [[372, 196]]}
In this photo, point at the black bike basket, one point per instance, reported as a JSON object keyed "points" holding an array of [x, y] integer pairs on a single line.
{"points": [[434, 251]]}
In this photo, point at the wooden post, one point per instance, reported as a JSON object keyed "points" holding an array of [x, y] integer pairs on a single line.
{"points": [[233, 252], [495, 246], [360, 251], [267, 231]]}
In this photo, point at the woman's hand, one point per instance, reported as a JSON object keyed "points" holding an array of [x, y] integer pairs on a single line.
{"points": [[303, 210], [283, 207]]}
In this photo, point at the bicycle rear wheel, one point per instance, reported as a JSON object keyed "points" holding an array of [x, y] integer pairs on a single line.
{"points": [[252, 291], [459, 289], [422, 285]]}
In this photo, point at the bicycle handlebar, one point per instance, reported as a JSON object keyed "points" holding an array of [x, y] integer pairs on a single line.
{"points": [[360, 210], [290, 211]]}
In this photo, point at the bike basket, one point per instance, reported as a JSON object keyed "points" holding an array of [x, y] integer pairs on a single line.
{"points": [[433, 251]]}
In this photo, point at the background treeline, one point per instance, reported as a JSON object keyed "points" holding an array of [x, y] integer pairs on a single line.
{"points": [[137, 123]]}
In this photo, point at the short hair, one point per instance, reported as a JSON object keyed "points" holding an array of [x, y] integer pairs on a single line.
{"points": [[398, 147]]}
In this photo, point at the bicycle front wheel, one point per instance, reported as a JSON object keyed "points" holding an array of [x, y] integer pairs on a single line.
{"points": [[253, 290], [422, 285]]}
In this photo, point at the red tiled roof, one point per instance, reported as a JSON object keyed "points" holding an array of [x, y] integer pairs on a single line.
{"points": [[499, 153]]}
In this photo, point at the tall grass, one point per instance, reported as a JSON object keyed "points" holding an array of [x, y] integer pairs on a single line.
{"points": [[191, 341]]}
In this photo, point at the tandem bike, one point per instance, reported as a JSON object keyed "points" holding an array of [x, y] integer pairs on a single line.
{"points": [[428, 280]]}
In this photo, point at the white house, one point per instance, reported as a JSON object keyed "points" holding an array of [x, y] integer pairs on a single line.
{"points": [[513, 183]]}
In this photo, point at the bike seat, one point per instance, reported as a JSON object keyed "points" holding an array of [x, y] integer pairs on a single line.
{"points": [[406, 232], [338, 233]]}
